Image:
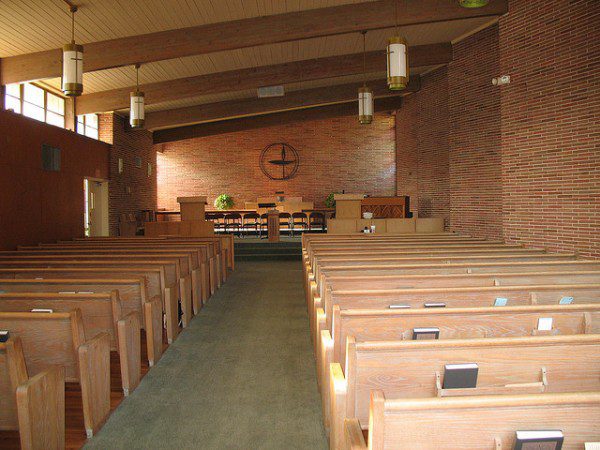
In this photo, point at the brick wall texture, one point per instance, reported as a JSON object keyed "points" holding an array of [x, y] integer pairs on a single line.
{"points": [[133, 190], [335, 154]]}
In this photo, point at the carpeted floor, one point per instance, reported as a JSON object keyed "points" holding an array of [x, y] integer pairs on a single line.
{"points": [[241, 376]]}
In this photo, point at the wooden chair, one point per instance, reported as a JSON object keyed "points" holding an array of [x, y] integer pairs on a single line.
{"points": [[233, 222], [469, 422], [59, 338], [299, 219], [316, 220], [285, 220], [264, 223], [33, 405], [252, 221]]}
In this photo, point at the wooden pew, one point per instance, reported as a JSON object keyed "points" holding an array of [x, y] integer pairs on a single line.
{"points": [[204, 260], [474, 422], [461, 297], [415, 369], [170, 293], [130, 294], [181, 261], [453, 323], [33, 405], [100, 313], [59, 339]]}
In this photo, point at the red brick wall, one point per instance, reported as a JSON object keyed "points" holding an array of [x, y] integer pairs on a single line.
{"points": [[474, 136], [133, 190], [335, 154], [37, 205], [551, 124], [422, 167]]}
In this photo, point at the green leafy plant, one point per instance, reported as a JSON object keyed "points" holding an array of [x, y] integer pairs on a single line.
{"points": [[330, 201], [224, 201]]}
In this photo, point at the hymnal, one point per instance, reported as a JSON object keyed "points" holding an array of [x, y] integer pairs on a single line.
{"points": [[4, 335], [592, 446], [66, 292], [500, 301], [458, 376], [566, 301], [539, 440], [544, 324], [435, 305], [422, 334], [42, 310], [399, 306]]}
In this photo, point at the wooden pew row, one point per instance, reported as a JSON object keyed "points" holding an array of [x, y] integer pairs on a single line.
{"points": [[203, 287], [131, 295], [315, 287], [51, 339], [171, 281], [323, 263], [453, 323], [333, 284], [474, 422], [415, 369], [181, 262], [33, 405], [100, 313]]}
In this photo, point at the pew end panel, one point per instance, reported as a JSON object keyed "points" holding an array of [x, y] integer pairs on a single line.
{"points": [[94, 366], [172, 313], [13, 372], [338, 386], [129, 337], [185, 289], [41, 410], [154, 336], [353, 436]]}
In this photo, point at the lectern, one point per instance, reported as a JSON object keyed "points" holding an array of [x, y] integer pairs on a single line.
{"points": [[273, 225], [348, 206], [192, 208]]}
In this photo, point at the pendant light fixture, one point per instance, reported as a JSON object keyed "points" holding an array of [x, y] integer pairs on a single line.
{"points": [[136, 110], [72, 75], [473, 3], [397, 59], [365, 94]]}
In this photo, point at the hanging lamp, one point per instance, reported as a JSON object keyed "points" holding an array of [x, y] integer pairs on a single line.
{"points": [[397, 59], [136, 110], [473, 3], [365, 94], [72, 74]]}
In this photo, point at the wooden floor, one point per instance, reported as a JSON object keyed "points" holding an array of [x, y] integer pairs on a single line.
{"points": [[75, 431]]}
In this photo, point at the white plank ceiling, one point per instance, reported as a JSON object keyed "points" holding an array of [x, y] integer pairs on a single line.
{"points": [[37, 25]]}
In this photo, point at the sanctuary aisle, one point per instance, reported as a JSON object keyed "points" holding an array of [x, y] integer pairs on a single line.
{"points": [[241, 376]]}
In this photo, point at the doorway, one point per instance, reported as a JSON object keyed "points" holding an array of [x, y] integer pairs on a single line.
{"points": [[95, 217]]}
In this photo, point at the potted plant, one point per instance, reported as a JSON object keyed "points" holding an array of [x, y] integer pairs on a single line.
{"points": [[224, 201], [330, 201]]}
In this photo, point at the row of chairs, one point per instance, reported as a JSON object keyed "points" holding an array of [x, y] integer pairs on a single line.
{"points": [[257, 223]]}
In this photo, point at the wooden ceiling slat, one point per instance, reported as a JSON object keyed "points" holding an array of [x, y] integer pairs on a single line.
{"points": [[243, 33]]}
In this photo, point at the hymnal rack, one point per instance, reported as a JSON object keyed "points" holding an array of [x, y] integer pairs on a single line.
{"points": [[535, 387]]}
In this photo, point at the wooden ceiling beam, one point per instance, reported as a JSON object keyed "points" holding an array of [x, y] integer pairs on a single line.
{"points": [[269, 120], [252, 78], [302, 99], [243, 33]]}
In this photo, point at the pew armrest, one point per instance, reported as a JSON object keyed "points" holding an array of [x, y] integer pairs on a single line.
{"points": [[94, 376], [41, 410], [154, 327], [353, 437], [338, 388], [130, 351]]}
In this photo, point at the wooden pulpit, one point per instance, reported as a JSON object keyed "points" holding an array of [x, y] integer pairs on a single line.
{"points": [[192, 208]]}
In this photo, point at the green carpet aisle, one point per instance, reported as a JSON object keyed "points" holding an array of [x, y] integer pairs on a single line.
{"points": [[242, 376]]}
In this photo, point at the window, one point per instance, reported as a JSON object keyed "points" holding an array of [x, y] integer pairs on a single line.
{"points": [[35, 102], [87, 125]]}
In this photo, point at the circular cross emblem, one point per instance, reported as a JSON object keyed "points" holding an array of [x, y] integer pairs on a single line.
{"points": [[279, 161]]}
